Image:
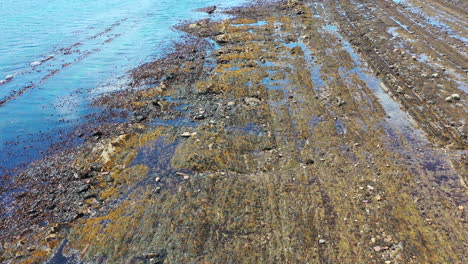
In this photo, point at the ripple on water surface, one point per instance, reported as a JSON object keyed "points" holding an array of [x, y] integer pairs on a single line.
{"points": [[51, 49]]}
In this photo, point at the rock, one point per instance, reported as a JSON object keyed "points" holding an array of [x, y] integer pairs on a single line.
{"points": [[231, 103], [378, 197], [378, 248], [435, 75], [322, 241], [35, 63], [152, 255], [223, 38], [210, 10], [140, 118], [186, 134], [414, 58], [199, 117], [461, 208], [252, 101], [158, 179], [424, 75], [9, 77], [186, 176], [194, 25], [82, 188], [453, 97], [51, 237], [370, 188]]}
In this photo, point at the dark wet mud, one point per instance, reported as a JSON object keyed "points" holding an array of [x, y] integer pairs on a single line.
{"points": [[294, 132]]}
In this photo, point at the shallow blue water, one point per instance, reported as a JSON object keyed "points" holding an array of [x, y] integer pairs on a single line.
{"points": [[61, 53]]}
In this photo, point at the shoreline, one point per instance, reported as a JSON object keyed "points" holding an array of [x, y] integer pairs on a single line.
{"points": [[265, 137]]}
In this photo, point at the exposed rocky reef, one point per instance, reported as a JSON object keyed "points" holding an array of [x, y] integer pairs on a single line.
{"points": [[292, 132]]}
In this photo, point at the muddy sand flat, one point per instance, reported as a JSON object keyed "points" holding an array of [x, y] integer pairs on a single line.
{"points": [[294, 132]]}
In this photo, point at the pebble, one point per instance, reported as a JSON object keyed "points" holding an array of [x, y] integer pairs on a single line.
{"points": [[322, 241], [453, 97], [378, 248], [152, 255], [461, 208], [370, 188], [231, 103], [414, 58], [186, 134], [9, 77], [35, 63], [158, 179], [435, 75]]}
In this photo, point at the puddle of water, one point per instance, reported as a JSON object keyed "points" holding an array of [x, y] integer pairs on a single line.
{"points": [[157, 157], [314, 69], [275, 84], [257, 24], [59, 258], [393, 31], [316, 120], [397, 118], [340, 127], [178, 122], [456, 77], [401, 25]]}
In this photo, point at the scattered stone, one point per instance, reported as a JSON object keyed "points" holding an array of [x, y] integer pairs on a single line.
{"points": [[378, 248], [414, 58], [223, 38], [370, 188], [186, 134], [158, 179], [152, 255], [51, 237], [82, 188], [199, 117], [378, 197], [231, 103], [9, 77], [322, 241], [453, 97], [186, 176], [252, 101], [140, 118], [461, 207]]}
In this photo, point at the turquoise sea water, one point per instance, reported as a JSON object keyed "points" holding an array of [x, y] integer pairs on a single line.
{"points": [[55, 55]]}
